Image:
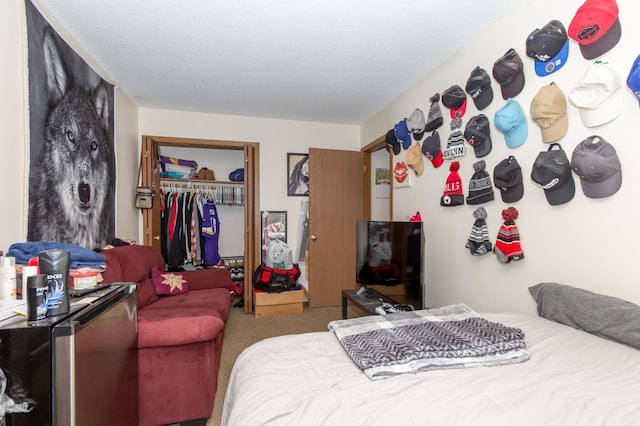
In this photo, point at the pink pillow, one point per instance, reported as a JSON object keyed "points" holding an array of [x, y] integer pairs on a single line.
{"points": [[168, 283]]}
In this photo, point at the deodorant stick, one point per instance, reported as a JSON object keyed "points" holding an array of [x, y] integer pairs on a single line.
{"points": [[37, 297]]}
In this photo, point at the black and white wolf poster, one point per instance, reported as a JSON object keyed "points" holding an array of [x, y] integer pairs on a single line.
{"points": [[71, 158]]}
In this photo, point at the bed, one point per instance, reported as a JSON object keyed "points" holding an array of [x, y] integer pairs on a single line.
{"points": [[576, 373]]}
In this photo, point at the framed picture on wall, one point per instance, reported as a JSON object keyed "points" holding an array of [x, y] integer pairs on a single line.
{"points": [[298, 174], [274, 227]]}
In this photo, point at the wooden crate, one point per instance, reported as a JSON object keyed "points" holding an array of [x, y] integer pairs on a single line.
{"points": [[284, 303]]}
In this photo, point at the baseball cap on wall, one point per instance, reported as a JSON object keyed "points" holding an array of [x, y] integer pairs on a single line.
{"points": [[509, 73], [401, 131], [507, 177], [479, 88], [549, 111], [478, 134], [416, 123], [511, 121], [633, 80], [413, 158], [596, 27], [597, 165], [455, 99], [548, 47], [598, 95], [393, 142], [431, 149], [552, 171]]}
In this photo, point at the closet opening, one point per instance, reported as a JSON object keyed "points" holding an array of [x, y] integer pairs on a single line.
{"points": [[212, 177]]}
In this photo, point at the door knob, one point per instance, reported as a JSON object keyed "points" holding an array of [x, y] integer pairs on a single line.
{"points": [[313, 238]]}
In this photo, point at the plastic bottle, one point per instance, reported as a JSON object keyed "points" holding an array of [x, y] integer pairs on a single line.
{"points": [[55, 264], [7, 278]]}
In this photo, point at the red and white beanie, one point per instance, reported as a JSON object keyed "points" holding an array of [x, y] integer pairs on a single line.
{"points": [[453, 195], [507, 246]]}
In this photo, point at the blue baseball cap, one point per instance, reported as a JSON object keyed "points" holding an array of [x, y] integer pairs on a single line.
{"points": [[401, 132], [633, 81], [548, 47], [511, 121]]}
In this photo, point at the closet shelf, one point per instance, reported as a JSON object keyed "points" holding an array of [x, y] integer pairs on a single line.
{"points": [[196, 181]]}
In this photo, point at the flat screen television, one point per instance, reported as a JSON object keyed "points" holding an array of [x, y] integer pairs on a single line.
{"points": [[389, 257]]}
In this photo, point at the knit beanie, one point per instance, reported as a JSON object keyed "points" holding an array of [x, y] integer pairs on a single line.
{"points": [[455, 143], [434, 117], [478, 242], [453, 195], [507, 247], [480, 186]]}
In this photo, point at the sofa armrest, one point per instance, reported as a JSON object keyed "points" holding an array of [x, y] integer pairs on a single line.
{"points": [[178, 331], [201, 279]]}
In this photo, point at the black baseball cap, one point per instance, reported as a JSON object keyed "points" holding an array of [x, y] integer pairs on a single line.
{"points": [[479, 88], [431, 149], [548, 47], [477, 133], [391, 140], [507, 177], [455, 99], [508, 72], [552, 171]]}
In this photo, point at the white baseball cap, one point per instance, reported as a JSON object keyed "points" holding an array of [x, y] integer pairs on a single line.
{"points": [[598, 95]]}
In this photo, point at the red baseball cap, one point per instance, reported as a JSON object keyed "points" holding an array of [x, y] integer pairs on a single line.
{"points": [[596, 27]]}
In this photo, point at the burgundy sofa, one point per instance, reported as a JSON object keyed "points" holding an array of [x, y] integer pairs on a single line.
{"points": [[179, 336]]}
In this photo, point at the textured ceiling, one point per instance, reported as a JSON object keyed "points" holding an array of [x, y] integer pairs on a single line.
{"points": [[335, 61]]}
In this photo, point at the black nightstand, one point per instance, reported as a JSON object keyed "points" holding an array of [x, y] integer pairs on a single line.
{"points": [[368, 300]]}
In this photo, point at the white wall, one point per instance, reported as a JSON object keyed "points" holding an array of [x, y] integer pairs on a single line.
{"points": [[276, 139], [12, 108], [586, 243]]}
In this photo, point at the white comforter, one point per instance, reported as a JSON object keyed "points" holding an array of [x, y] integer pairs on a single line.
{"points": [[571, 378]]}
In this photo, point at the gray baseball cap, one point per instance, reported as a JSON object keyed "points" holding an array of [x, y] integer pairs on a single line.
{"points": [[597, 164], [552, 171]]}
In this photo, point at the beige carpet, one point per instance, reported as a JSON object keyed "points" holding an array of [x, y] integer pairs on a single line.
{"points": [[242, 330]]}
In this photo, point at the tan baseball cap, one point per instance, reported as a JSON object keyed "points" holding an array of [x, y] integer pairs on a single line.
{"points": [[549, 111], [413, 158]]}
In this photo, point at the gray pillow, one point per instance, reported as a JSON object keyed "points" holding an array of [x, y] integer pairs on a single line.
{"points": [[605, 316]]}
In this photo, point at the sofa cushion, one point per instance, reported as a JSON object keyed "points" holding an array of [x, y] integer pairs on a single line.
{"points": [[174, 331], [168, 283], [207, 301]]}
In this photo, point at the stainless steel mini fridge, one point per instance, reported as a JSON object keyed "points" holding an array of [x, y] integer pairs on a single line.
{"points": [[78, 369]]}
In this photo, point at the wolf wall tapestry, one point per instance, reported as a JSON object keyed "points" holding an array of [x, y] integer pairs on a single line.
{"points": [[72, 159]]}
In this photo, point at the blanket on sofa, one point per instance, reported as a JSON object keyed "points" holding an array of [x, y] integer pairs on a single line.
{"points": [[450, 337]]}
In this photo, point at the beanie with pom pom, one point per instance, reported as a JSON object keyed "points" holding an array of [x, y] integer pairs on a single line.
{"points": [[478, 242], [434, 117], [507, 246], [453, 195], [455, 143]]}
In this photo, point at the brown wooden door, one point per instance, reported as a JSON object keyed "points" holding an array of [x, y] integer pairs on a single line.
{"points": [[336, 188]]}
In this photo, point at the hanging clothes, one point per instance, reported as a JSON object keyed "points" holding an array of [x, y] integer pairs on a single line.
{"points": [[190, 225], [210, 232]]}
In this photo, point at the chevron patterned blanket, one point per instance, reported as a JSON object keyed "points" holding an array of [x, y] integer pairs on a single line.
{"points": [[408, 342]]}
